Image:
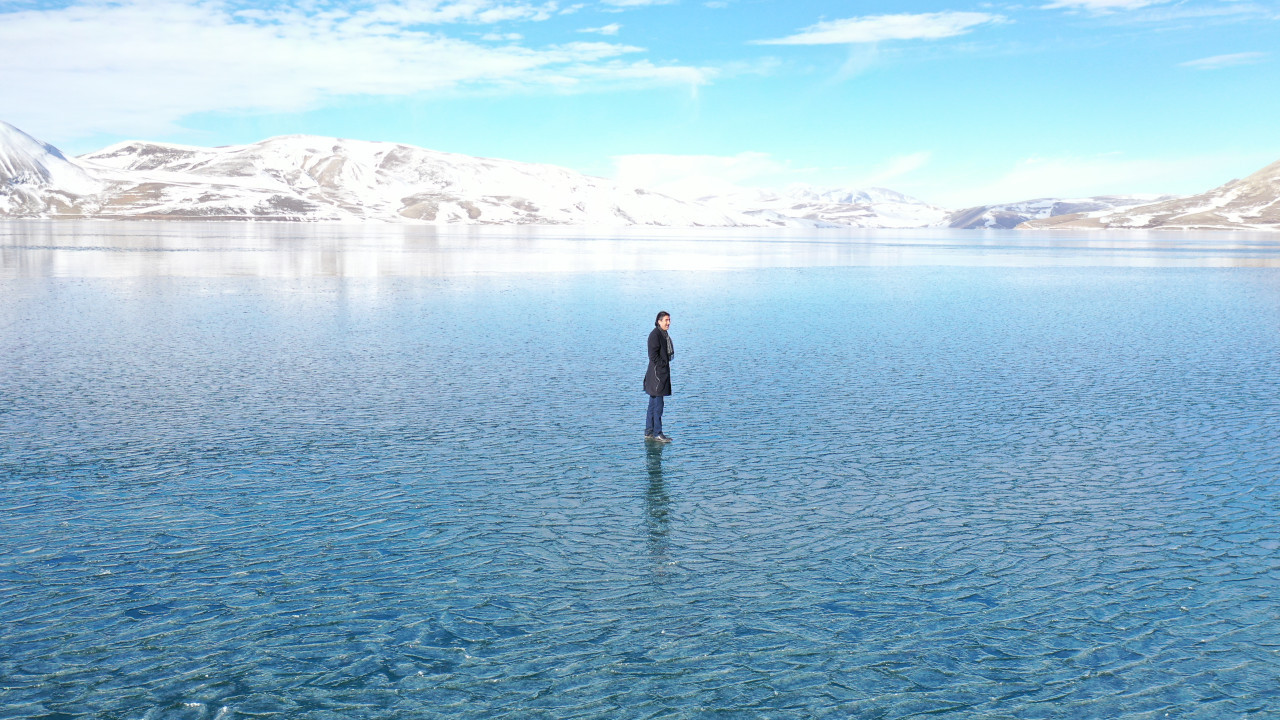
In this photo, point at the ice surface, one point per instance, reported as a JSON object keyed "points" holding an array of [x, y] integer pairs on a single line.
{"points": [[896, 490]]}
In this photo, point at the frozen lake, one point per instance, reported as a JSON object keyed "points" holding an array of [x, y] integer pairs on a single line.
{"points": [[350, 472]]}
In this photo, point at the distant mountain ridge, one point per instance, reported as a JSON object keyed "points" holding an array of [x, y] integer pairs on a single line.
{"points": [[311, 178], [1249, 204], [832, 207], [1006, 216], [330, 179]]}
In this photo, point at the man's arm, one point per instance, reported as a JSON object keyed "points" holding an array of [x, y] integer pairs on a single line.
{"points": [[655, 347]]}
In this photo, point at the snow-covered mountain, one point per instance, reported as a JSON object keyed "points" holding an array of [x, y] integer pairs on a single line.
{"points": [[309, 178], [35, 177], [318, 178], [1011, 215], [300, 177], [1249, 204], [838, 207], [325, 178]]}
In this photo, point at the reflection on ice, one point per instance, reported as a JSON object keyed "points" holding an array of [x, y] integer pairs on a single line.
{"points": [[195, 249], [657, 509]]}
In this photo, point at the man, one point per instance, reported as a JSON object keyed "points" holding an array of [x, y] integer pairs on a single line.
{"points": [[657, 379]]}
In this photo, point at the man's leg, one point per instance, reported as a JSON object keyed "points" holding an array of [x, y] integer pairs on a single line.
{"points": [[648, 418], [657, 403]]}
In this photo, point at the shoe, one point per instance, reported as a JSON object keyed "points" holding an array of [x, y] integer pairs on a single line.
{"points": [[648, 436], [661, 438]]}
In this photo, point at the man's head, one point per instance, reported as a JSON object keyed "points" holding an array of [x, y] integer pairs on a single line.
{"points": [[663, 320]]}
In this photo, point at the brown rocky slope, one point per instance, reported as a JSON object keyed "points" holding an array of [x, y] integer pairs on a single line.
{"points": [[1249, 204]]}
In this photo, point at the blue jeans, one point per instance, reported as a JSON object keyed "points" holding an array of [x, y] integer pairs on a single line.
{"points": [[653, 418]]}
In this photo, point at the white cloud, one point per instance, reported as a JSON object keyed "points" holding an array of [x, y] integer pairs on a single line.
{"points": [[610, 29], [1222, 61], [877, 28], [636, 3], [897, 167], [1076, 177], [1227, 11], [402, 13], [697, 176], [140, 67], [694, 176], [635, 72], [506, 13], [1102, 6]]}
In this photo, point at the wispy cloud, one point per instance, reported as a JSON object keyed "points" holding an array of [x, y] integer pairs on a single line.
{"points": [[1183, 16], [390, 14], [1102, 6], [139, 67], [1037, 177], [898, 167], [636, 3], [877, 28], [695, 176], [1222, 61], [1103, 174], [610, 29]]}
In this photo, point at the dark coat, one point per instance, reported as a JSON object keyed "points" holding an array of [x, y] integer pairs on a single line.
{"points": [[657, 379]]}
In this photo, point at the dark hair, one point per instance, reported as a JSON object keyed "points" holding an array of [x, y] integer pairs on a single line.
{"points": [[661, 315]]}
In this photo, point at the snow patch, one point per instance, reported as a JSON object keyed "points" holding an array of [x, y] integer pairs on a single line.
{"points": [[27, 161]]}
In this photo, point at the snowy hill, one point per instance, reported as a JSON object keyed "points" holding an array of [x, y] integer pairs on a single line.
{"points": [[308, 178], [300, 177], [36, 178], [316, 178], [1249, 204], [805, 205], [1011, 215]]}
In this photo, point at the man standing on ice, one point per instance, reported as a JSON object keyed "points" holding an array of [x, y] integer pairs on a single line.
{"points": [[657, 379]]}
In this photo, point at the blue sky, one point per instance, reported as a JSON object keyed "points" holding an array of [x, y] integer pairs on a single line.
{"points": [[954, 102]]}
